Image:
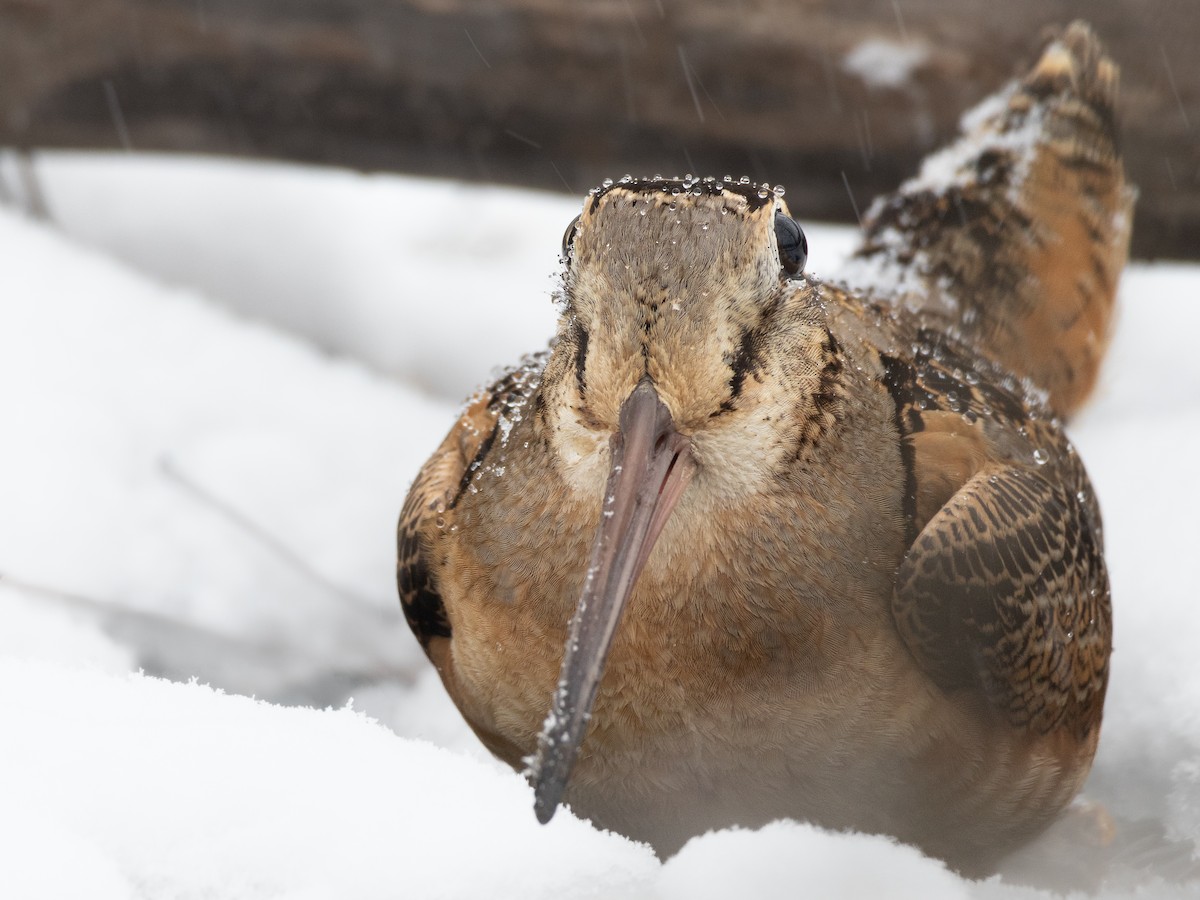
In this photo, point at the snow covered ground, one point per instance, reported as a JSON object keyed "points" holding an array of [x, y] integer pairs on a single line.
{"points": [[217, 380]]}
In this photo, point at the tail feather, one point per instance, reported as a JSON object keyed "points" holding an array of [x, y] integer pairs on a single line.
{"points": [[1015, 235]]}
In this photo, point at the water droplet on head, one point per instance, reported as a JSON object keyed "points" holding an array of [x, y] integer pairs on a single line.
{"points": [[763, 194], [779, 190], [744, 180], [727, 179], [607, 182], [1040, 456], [704, 226]]}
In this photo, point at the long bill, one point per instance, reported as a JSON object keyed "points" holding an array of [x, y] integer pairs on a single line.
{"points": [[651, 466]]}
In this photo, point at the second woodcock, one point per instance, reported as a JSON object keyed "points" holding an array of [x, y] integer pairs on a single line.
{"points": [[814, 549]]}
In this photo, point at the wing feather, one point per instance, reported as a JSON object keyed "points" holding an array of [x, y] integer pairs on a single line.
{"points": [[1005, 591]]}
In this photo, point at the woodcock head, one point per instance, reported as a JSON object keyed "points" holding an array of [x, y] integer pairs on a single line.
{"points": [[690, 344]]}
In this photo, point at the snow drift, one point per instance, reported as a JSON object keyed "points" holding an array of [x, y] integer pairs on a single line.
{"points": [[200, 495]]}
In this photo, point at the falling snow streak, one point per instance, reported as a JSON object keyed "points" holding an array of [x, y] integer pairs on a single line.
{"points": [[627, 81], [118, 117], [475, 47], [687, 74], [1174, 90], [899, 20], [524, 140], [850, 194]]}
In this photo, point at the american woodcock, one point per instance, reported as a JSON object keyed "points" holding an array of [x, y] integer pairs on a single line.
{"points": [[817, 550]]}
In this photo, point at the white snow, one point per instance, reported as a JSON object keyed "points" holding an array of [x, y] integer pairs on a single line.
{"points": [[176, 790], [786, 860], [883, 274], [885, 63], [198, 494], [352, 262], [954, 164]]}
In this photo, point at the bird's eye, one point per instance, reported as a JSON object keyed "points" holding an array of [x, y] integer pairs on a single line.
{"points": [[793, 246], [569, 237]]}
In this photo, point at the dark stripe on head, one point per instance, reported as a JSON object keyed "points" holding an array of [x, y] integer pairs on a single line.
{"points": [[826, 396], [900, 379], [470, 470], [744, 361], [581, 349]]}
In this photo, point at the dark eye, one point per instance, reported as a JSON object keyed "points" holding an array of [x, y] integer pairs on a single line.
{"points": [[569, 237], [793, 247]]}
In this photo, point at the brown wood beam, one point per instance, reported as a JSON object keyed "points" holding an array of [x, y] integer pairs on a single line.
{"points": [[560, 94]]}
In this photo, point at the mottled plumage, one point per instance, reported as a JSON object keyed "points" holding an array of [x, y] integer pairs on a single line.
{"points": [[844, 564]]}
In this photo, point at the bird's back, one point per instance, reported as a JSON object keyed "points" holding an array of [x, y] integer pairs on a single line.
{"points": [[1012, 239]]}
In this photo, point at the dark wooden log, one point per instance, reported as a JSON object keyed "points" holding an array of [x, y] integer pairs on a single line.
{"points": [[560, 95]]}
